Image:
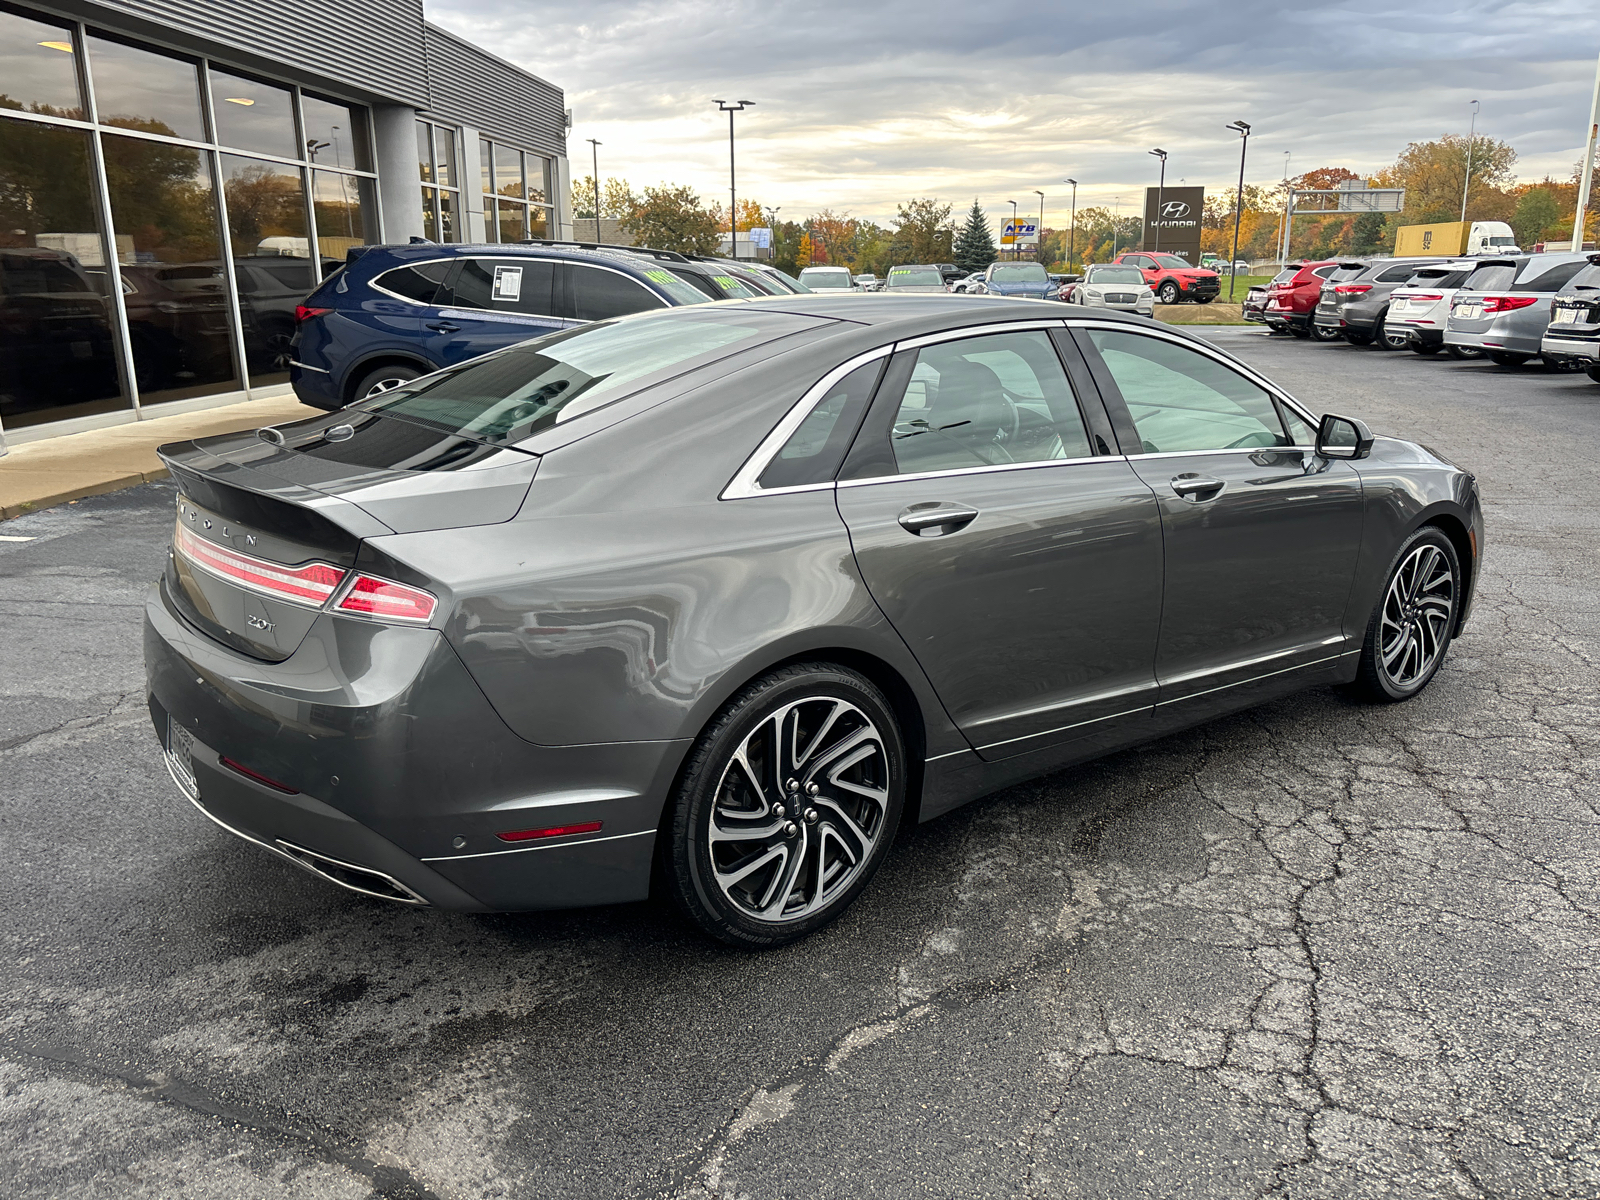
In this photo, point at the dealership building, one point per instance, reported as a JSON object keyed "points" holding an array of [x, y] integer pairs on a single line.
{"points": [[176, 175]]}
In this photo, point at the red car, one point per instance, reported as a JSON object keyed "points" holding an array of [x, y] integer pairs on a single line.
{"points": [[1171, 278], [1292, 296]]}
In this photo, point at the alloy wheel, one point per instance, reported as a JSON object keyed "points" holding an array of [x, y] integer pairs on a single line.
{"points": [[379, 386], [799, 809], [1414, 627]]}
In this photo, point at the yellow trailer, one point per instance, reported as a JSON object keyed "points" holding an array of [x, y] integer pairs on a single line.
{"points": [[1447, 237]]}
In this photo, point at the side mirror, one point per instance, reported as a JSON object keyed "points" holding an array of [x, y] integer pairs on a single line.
{"points": [[1343, 437]]}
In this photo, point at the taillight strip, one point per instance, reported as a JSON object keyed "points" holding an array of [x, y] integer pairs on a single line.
{"points": [[310, 585]]}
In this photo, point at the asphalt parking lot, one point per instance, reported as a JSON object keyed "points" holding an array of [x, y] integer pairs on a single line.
{"points": [[1314, 950]]}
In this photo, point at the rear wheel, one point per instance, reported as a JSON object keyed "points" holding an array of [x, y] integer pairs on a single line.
{"points": [[1168, 293], [1204, 299], [1593, 372], [1463, 352], [1358, 337], [788, 805], [1506, 358], [1299, 331], [1327, 333], [383, 379], [1424, 348], [1411, 628], [1391, 339]]}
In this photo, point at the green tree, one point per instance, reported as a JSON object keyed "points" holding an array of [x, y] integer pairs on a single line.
{"points": [[1536, 212], [672, 218], [1369, 234], [923, 230], [617, 198], [974, 247]]}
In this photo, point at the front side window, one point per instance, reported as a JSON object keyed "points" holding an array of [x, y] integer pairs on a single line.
{"points": [[1181, 400], [599, 295], [814, 452], [987, 401]]}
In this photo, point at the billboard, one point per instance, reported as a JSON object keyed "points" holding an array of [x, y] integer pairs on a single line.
{"points": [[1172, 221], [1021, 232]]}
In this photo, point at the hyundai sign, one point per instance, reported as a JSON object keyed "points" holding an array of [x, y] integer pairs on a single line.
{"points": [[1024, 231], [1172, 220]]}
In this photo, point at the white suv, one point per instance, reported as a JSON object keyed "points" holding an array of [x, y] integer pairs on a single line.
{"points": [[828, 279], [1421, 307]]}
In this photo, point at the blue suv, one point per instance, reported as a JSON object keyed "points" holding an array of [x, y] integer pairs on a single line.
{"points": [[394, 313]]}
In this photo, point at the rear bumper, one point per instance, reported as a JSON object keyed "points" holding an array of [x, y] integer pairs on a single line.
{"points": [[1585, 349], [395, 757], [1493, 338], [314, 386]]}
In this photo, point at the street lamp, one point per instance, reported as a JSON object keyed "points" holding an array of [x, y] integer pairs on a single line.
{"points": [[1287, 200], [772, 232], [1013, 204], [1116, 217], [596, 147], [1161, 188], [1243, 130], [1038, 247], [1072, 233], [1472, 132], [733, 195]]}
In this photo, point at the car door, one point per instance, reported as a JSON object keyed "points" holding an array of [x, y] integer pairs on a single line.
{"points": [[488, 302], [1261, 533], [1017, 555]]}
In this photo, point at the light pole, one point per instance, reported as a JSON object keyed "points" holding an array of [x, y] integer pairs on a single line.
{"points": [[1013, 204], [1161, 188], [594, 143], [1238, 203], [733, 195], [1116, 218], [1587, 168], [772, 232], [1286, 202], [1472, 133], [1038, 247], [1072, 232]]}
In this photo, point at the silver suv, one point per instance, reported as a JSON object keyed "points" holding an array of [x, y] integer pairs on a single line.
{"points": [[1503, 307]]}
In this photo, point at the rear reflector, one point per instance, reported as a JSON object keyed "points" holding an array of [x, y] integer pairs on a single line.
{"points": [[257, 776], [311, 584], [382, 598], [531, 835], [1500, 304]]}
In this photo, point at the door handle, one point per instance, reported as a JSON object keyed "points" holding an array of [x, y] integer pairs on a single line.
{"points": [[444, 327], [935, 519], [1194, 488]]}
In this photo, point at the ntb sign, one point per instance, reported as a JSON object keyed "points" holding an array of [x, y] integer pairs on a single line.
{"points": [[1019, 232]]}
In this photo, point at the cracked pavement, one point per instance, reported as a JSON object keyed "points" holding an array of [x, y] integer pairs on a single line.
{"points": [[1313, 950]]}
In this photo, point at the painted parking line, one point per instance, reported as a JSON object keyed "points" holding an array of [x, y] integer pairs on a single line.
{"points": [[9, 538]]}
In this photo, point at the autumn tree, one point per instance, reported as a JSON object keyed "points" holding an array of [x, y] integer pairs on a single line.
{"points": [[1536, 212], [923, 233], [1433, 173], [672, 218]]}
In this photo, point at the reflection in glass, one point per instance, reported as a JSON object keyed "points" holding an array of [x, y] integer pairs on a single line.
{"points": [[538, 222], [336, 134], [538, 179], [36, 69], [252, 115], [174, 287], [508, 172], [140, 89], [447, 218], [511, 229], [430, 219], [343, 204], [486, 164], [424, 152], [444, 149], [56, 353], [267, 226]]}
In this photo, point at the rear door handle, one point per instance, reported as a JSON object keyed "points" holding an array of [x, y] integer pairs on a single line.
{"points": [[934, 519], [1195, 488], [444, 327]]}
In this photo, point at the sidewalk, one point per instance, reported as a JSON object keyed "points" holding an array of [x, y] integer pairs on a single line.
{"points": [[52, 471]]}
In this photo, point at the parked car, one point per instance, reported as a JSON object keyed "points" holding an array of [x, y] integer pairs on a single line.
{"points": [[1173, 279], [1421, 306], [1020, 280], [395, 313], [867, 283], [1355, 305], [1254, 305], [909, 280], [949, 272], [1068, 285], [968, 283], [828, 279], [1503, 307], [1573, 335], [1292, 296], [593, 612], [1122, 288], [762, 275]]}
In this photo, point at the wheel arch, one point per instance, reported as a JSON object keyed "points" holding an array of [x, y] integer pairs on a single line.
{"points": [[380, 358], [1453, 527]]}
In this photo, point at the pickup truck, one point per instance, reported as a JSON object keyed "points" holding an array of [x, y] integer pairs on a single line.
{"points": [[1171, 278]]}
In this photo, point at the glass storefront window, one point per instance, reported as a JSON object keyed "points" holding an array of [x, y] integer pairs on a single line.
{"points": [[266, 207], [174, 289], [36, 65], [57, 357], [143, 90], [511, 225], [486, 164], [425, 151], [344, 209], [253, 116], [538, 222], [508, 172], [448, 232], [444, 148], [336, 134], [538, 179], [430, 217]]}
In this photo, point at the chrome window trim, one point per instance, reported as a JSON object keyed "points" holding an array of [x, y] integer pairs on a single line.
{"points": [[1223, 450], [421, 262], [971, 331], [987, 469], [1218, 356]]}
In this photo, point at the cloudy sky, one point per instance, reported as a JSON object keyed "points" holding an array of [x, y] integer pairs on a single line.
{"points": [[862, 104]]}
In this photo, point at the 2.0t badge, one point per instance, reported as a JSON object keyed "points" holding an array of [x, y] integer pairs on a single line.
{"points": [[260, 623]]}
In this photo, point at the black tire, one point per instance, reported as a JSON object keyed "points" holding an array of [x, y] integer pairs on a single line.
{"points": [[1462, 353], [1506, 358], [1168, 293], [1425, 348], [381, 379], [1299, 331], [1397, 616], [1387, 339], [1593, 372], [1358, 337], [1204, 299], [795, 799], [1327, 333]]}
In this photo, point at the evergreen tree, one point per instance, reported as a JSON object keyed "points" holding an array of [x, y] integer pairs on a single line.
{"points": [[974, 249]]}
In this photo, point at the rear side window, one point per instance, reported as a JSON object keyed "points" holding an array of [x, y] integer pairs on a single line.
{"points": [[815, 451], [419, 282], [1491, 277], [599, 295], [1550, 279], [512, 285], [1324, 272]]}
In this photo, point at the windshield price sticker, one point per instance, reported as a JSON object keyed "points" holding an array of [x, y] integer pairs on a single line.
{"points": [[657, 275], [508, 283]]}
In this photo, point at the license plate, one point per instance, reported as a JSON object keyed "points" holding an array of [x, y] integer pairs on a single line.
{"points": [[1467, 312], [180, 758], [1570, 316], [1400, 306]]}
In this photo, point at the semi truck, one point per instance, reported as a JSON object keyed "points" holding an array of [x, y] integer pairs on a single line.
{"points": [[1455, 239]]}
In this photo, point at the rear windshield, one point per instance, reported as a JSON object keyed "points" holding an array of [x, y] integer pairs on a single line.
{"points": [[784, 281], [1115, 275], [915, 277], [729, 287], [1543, 277], [681, 291], [1438, 279], [1490, 277], [1019, 273], [1589, 277], [1285, 275], [507, 396], [1341, 273]]}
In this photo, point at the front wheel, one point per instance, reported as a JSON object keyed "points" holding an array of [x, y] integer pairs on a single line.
{"points": [[1168, 293], [1505, 358], [787, 806], [1411, 628]]}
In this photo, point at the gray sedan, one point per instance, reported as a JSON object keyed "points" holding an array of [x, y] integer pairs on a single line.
{"points": [[716, 598]]}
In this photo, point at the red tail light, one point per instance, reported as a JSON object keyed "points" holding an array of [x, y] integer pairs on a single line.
{"points": [[309, 585], [1500, 304], [388, 601], [1422, 296], [1351, 289], [304, 313], [531, 835]]}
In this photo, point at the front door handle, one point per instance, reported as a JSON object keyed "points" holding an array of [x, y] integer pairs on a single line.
{"points": [[934, 519], [1197, 488], [444, 327]]}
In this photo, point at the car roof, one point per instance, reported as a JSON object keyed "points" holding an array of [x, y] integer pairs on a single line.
{"points": [[913, 315], [611, 256]]}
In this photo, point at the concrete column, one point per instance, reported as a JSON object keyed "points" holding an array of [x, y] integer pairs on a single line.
{"points": [[394, 130], [471, 181], [562, 200]]}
